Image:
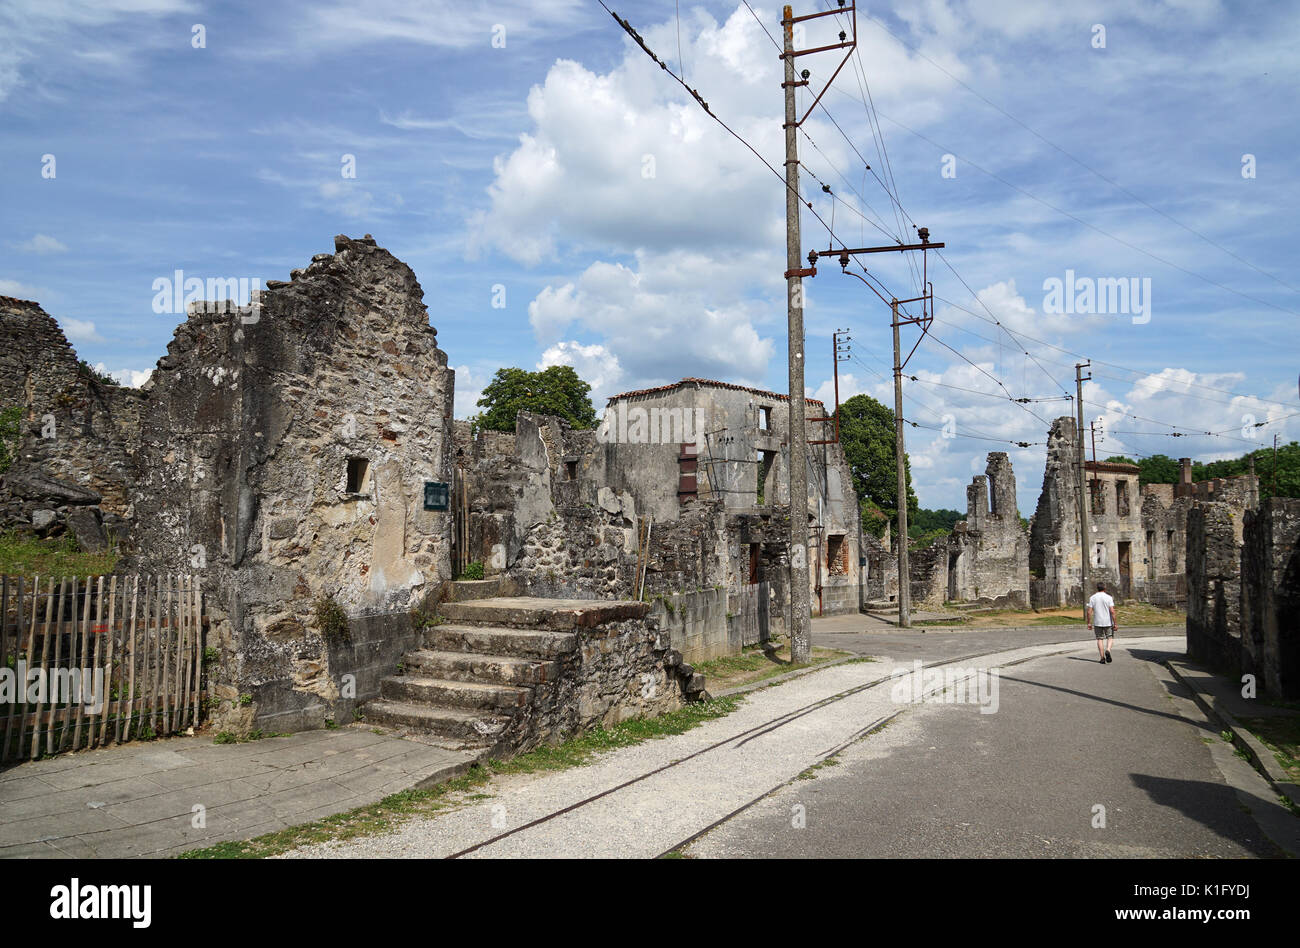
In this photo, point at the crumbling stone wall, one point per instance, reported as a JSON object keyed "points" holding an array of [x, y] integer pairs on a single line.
{"points": [[1145, 523], [620, 670], [988, 553], [256, 421], [70, 470], [1054, 555], [1270, 596], [1214, 586]]}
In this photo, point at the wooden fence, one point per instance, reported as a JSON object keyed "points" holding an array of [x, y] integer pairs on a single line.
{"points": [[751, 613], [97, 661]]}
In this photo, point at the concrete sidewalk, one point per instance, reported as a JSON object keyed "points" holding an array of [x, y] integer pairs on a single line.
{"points": [[1221, 700], [139, 799]]}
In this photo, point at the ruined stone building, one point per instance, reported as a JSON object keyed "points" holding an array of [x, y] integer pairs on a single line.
{"points": [[984, 560], [280, 451], [1138, 532], [1243, 603], [298, 455], [988, 552], [682, 489]]}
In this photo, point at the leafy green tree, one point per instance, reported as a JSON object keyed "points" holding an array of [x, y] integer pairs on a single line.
{"points": [[553, 391], [930, 521], [1158, 469], [867, 433], [1119, 459]]}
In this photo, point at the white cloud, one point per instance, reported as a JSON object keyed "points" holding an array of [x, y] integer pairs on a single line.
{"points": [[80, 330], [595, 365], [41, 243], [22, 291], [469, 389], [657, 323], [131, 377]]}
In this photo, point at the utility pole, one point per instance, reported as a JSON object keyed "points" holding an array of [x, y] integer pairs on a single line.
{"points": [[900, 458], [840, 349], [1092, 429], [800, 604], [904, 572], [1084, 493]]}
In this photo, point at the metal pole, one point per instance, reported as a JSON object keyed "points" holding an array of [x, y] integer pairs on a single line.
{"points": [[1083, 486], [800, 608], [904, 579]]}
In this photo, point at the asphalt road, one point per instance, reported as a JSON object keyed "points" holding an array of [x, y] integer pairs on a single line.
{"points": [[1071, 742], [1067, 742]]}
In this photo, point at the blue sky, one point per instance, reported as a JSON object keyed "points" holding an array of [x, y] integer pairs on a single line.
{"points": [[640, 243]]}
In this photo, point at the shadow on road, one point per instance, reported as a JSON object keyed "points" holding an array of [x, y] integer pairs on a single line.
{"points": [[1214, 805]]}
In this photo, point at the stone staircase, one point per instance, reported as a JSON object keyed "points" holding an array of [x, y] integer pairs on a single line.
{"points": [[490, 670]]}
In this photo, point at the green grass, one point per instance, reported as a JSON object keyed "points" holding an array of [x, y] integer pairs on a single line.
{"points": [[754, 664], [29, 556], [1281, 735], [385, 815]]}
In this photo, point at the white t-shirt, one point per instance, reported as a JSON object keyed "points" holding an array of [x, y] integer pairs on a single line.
{"points": [[1103, 609]]}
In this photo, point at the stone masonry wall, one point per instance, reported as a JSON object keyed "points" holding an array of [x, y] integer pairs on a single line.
{"points": [[1214, 586], [1270, 596], [253, 422]]}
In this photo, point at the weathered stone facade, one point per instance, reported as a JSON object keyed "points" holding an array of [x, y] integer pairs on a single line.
{"points": [[1243, 607], [290, 447], [568, 512], [279, 452], [72, 453], [1138, 532], [988, 552]]}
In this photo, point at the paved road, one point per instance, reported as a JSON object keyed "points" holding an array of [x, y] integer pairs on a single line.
{"points": [[1069, 736], [940, 779]]}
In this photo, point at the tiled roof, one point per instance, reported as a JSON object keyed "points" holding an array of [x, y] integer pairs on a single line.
{"points": [[1111, 467], [715, 384]]}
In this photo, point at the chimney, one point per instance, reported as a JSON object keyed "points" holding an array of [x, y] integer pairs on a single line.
{"points": [[1184, 470]]}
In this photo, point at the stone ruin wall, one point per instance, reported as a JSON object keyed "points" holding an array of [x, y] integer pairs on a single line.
{"points": [[1155, 528], [988, 553], [232, 464], [1243, 607], [248, 433], [575, 537], [70, 470]]}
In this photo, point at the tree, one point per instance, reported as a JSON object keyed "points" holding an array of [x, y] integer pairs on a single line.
{"points": [[553, 391], [930, 521], [867, 434], [1158, 469]]}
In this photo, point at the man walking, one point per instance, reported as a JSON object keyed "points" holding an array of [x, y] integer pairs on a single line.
{"points": [[1101, 620]]}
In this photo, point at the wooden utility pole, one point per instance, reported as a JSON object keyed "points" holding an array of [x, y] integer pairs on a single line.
{"points": [[800, 604], [900, 458], [904, 577], [1084, 492]]}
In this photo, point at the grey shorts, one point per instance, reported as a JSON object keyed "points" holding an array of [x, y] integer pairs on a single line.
{"points": [[1104, 631]]}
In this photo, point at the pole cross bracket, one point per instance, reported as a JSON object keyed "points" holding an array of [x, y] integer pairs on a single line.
{"points": [[806, 272]]}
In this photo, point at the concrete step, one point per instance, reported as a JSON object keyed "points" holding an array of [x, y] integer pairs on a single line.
{"points": [[472, 728], [472, 666], [497, 642], [523, 612], [455, 694], [468, 590]]}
